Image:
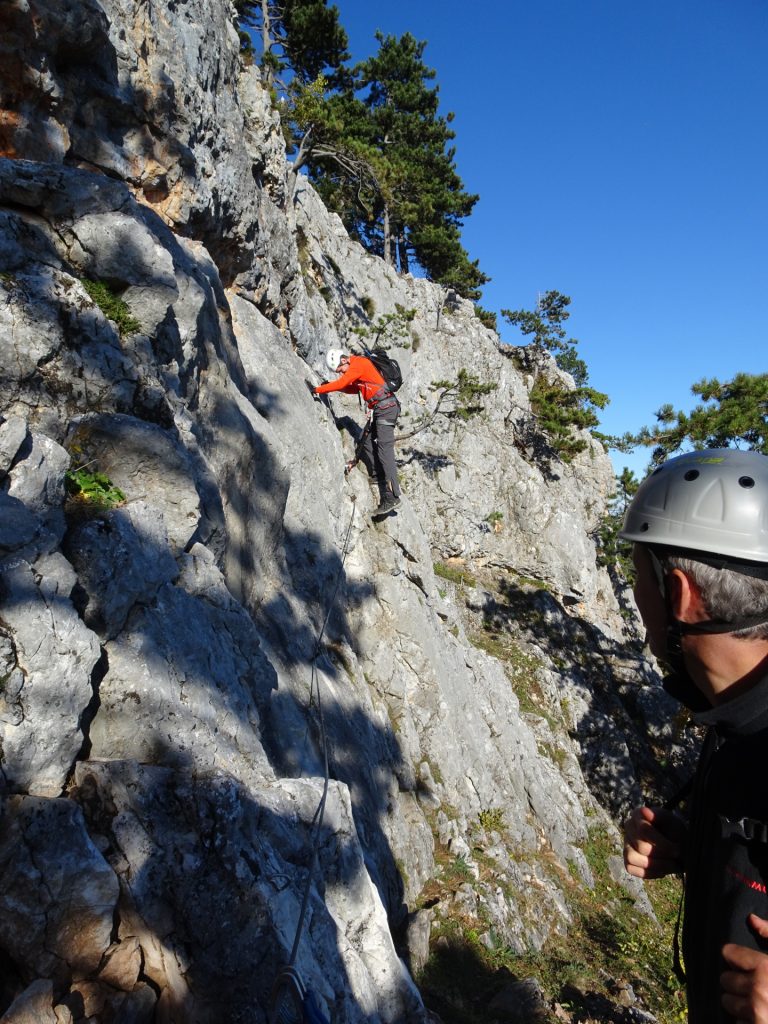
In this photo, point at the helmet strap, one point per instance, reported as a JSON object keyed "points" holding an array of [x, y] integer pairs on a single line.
{"points": [[676, 629], [718, 626], [673, 654], [659, 572], [758, 570]]}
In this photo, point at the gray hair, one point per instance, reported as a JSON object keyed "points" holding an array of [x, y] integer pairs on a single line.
{"points": [[728, 596]]}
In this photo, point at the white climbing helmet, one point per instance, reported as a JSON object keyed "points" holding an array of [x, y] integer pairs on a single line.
{"points": [[713, 501], [333, 357]]}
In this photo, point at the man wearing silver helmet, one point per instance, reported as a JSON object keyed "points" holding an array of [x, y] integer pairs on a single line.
{"points": [[699, 524]]}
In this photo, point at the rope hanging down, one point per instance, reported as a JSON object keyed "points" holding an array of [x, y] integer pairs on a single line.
{"points": [[291, 1003]]}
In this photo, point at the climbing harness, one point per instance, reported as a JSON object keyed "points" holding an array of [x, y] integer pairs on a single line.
{"points": [[290, 1002], [679, 796]]}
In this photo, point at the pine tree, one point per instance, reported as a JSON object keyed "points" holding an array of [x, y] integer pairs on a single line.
{"points": [[545, 323], [424, 203], [560, 411], [346, 170], [386, 330], [460, 398], [303, 35], [612, 552], [733, 414], [378, 153]]}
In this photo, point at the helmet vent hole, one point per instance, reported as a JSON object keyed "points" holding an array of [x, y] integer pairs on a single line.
{"points": [[644, 528], [746, 481], [692, 474]]}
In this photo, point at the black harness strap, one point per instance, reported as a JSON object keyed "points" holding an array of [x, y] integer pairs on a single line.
{"points": [[677, 960], [749, 829]]}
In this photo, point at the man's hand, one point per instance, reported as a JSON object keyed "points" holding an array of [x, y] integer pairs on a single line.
{"points": [[653, 843], [312, 391], [745, 986]]}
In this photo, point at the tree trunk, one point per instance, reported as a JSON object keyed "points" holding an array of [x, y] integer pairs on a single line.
{"points": [[443, 293], [267, 75], [402, 253], [387, 238]]}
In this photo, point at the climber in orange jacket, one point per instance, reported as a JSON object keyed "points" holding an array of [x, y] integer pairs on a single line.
{"points": [[360, 376]]}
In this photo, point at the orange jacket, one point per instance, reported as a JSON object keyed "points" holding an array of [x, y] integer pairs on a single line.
{"points": [[362, 377]]}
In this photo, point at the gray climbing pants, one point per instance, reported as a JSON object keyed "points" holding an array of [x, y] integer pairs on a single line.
{"points": [[378, 453]]}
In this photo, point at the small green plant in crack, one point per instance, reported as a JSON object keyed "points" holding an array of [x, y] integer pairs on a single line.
{"points": [[401, 870], [491, 819], [553, 753], [458, 870], [530, 582], [112, 306], [454, 574], [92, 489]]}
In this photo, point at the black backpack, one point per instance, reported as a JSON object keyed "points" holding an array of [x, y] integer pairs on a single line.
{"points": [[388, 367]]}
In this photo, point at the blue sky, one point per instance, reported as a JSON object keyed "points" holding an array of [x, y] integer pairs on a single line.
{"points": [[620, 154]]}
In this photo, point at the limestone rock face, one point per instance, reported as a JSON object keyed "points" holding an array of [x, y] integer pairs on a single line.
{"points": [[50, 656], [144, 93], [546, 510], [214, 891], [35, 1006], [58, 894], [200, 625]]}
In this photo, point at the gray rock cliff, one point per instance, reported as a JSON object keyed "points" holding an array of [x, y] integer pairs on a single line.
{"points": [[177, 665]]}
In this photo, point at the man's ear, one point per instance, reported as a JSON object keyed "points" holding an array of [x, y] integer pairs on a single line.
{"points": [[685, 598]]}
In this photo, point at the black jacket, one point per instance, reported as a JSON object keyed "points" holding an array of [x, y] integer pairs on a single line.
{"points": [[726, 863]]}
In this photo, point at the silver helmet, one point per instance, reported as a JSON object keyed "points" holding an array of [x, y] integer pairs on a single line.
{"points": [[713, 501]]}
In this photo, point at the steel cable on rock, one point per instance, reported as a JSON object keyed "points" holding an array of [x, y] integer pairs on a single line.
{"points": [[288, 983]]}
